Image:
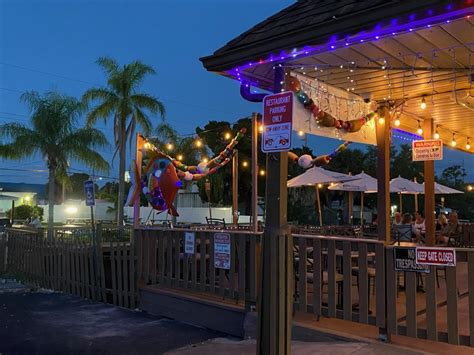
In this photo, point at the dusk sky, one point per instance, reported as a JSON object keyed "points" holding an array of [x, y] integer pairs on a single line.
{"points": [[52, 45]]}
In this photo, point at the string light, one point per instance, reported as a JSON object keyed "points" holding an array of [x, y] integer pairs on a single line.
{"points": [[381, 120], [245, 164], [320, 185], [436, 135], [419, 130], [179, 157], [423, 103], [397, 122], [470, 188], [205, 160], [453, 141], [260, 128], [301, 133], [198, 143], [227, 135], [262, 172], [468, 144], [169, 146]]}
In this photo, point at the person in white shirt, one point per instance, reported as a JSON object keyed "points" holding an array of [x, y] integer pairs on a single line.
{"points": [[397, 219], [419, 227]]}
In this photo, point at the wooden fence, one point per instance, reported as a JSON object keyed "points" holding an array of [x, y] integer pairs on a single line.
{"points": [[325, 269], [162, 260], [103, 272], [350, 278]]}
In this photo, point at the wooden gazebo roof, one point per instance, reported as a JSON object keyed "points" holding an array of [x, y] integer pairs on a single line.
{"points": [[397, 51]]}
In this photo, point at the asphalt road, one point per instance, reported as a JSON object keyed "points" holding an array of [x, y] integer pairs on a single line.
{"points": [[54, 323]]}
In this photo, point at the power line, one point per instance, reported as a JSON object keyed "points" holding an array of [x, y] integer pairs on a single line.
{"points": [[96, 84]]}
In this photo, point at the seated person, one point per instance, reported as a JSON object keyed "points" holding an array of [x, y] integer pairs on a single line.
{"points": [[452, 230], [397, 219], [419, 229], [404, 229], [442, 223]]}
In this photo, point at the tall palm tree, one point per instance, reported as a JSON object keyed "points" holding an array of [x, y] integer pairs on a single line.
{"points": [[122, 101], [53, 134]]}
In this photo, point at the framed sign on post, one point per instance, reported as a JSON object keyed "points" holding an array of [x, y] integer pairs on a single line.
{"points": [[428, 149], [222, 251], [277, 122], [189, 242]]}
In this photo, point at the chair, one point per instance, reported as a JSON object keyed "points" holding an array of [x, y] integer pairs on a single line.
{"points": [[403, 233], [216, 222]]}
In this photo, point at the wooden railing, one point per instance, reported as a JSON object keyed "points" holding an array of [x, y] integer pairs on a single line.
{"points": [[324, 271], [103, 272], [163, 261], [444, 311]]}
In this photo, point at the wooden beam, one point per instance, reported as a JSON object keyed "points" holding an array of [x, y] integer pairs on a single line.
{"points": [[276, 293], [255, 119], [235, 187], [428, 130], [383, 173], [140, 142]]}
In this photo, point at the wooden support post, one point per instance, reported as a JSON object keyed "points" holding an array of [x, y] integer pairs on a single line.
{"points": [[235, 187], [318, 205], [350, 201], [416, 197], [383, 174], [429, 188], [400, 199], [255, 119], [276, 292], [138, 160]]}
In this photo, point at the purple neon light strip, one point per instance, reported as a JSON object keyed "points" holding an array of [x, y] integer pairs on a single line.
{"points": [[375, 35]]}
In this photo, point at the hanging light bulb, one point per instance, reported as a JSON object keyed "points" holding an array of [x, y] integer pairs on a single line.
{"points": [[320, 186], [419, 130], [179, 157], [227, 135], [198, 143], [436, 134], [301, 133], [423, 103], [205, 160], [381, 120], [468, 144], [169, 146], [245, 164], [397, 122], [262, 172], [453, 141], [260, 128]]}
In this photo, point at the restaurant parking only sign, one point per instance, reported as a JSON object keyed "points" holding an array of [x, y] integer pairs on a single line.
{"points": [[428, 149], [277, 122]]}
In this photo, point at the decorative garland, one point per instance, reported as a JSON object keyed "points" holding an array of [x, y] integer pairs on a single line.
{"points": [[323, 118], [160, 176], [306, 161]]}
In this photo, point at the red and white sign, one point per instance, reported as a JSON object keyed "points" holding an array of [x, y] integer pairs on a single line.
{"points": [[436, 256], [277, 122], [222, 251], [429, 149]]}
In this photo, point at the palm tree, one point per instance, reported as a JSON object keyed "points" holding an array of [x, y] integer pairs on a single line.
{"points": [[54, 135], [122, 101]]}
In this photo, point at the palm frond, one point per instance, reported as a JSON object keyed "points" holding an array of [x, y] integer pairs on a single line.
{"points": [[16, 131], [91, 158], [109, 65], [142, 119], [148, 102], [138, 71], [102, 111]]}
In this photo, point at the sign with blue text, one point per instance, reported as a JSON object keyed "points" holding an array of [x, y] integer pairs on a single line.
{"points": [[89, 192]]}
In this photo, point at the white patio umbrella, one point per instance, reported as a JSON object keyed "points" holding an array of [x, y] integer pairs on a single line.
{"points": [[404, 186], [364, 183], [445, 190], [316, 176]]}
